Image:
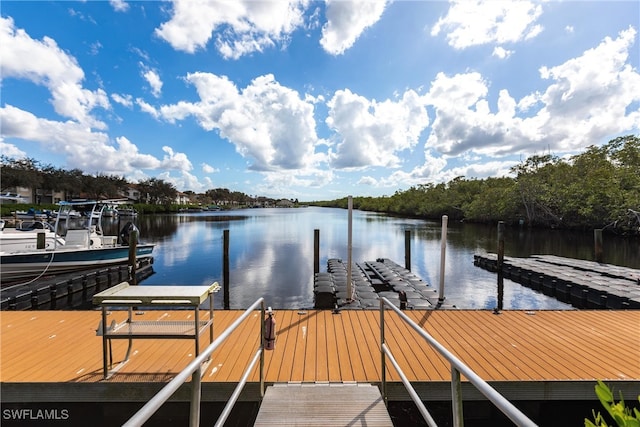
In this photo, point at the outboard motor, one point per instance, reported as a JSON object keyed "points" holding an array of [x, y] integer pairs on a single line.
{"points": [[124, 233]]}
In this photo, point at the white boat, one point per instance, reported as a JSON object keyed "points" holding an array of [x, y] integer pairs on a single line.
{"points": [[82, 245], [127, 211], [66, 214], [29, 235]]}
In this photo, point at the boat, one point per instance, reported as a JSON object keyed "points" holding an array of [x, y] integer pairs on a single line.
{"points": [[79, 244], [67, 214], [29, 235], [127, 210], [32, 213], [110, 211]]}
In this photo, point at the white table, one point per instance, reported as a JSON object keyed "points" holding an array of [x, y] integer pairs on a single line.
{"points": [[172, 297]]}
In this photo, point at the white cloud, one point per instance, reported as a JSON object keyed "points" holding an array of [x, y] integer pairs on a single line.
{"points": [[44, 63], [476, 22], [245, 26], [147, 108], [502, 53], [153, 78], [187, 181], [206, 168], [346, 21], [589, 98], [176, 161], [83, 149], [125, 100], [430, 171], [590, 95], [11, 151], [370, 133], [266, 122], [292, 184], [119, 5]]}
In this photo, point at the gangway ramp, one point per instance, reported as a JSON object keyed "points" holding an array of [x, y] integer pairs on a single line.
{"points": [[323, 404]]}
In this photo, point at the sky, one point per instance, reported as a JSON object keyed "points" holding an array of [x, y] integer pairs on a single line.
{"points": [[313, 100]]}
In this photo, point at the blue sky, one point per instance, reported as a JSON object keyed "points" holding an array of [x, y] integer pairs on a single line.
{"points": [[314, 100]]}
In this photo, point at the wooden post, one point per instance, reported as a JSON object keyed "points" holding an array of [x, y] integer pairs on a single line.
{"points": [[316, 251], [225, 269], [133, 246], [597, 235], [407, 249]]}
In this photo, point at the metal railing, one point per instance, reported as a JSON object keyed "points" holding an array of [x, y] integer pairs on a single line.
{"points": [[194, 369], [457, 368]]}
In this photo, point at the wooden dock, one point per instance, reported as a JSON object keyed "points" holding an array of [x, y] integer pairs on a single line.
{"points": [[540, 356], [583, 284]]}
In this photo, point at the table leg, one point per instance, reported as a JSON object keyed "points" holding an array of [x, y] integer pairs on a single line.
{"points": [[197, 329], [104, 343]]}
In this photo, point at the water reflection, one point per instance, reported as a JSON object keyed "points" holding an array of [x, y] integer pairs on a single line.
{"points": [[271, 253]]}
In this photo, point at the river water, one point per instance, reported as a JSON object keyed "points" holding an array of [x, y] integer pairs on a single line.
{"points": [[271, 253]]}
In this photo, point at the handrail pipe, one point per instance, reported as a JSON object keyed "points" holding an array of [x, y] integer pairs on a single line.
{"points": [[457, 368], [194, 368]]}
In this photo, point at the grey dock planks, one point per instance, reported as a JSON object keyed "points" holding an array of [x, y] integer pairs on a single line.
{"points": [[323, 404]]}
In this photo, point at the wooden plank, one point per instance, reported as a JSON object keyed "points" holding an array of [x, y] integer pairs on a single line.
{"points": [[322, 351], [301, 325], [333, 361], [311, 346], [436, 367], [285, 339]]}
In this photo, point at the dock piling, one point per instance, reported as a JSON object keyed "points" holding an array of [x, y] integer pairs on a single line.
{"points": [[407, 249], [133, 245], [316, 251], [225, 269], [500, 265]]}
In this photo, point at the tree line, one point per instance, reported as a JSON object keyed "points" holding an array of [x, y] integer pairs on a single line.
{"points": [[599, 188], [158, 195]]}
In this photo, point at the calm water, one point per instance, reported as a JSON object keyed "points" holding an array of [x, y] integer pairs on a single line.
{"points": [[271, 253]]}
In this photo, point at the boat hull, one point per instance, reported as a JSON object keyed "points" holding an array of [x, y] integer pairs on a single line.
{"points": [[27, 265]]}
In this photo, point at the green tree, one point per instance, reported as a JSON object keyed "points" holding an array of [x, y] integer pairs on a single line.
{"points": [[20, 173], [157, 191]]}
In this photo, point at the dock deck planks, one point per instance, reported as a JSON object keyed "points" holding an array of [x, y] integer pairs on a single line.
{"points": [[316, 346]]}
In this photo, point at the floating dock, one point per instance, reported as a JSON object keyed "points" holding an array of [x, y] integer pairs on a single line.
{"points": [[542, 361], [583, 284], [370, 281]]}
